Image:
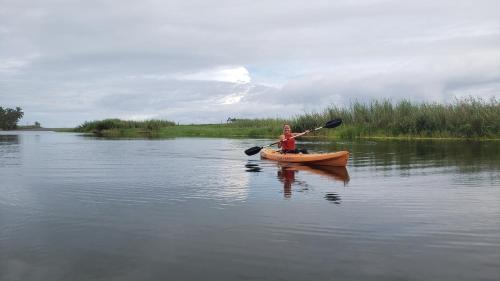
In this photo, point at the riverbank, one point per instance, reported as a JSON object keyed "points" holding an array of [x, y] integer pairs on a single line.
{"points": [[40, 129], [471, 118], [205, 130], [344, 132]]}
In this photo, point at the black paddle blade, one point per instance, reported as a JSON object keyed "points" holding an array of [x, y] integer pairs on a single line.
{"points": [[253, 150], [333, 123]]}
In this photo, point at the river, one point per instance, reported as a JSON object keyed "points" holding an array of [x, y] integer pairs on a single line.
{"points": [[81, 208]]}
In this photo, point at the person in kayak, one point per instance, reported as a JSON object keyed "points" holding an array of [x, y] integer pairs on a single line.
{"points": [[287, 141]]}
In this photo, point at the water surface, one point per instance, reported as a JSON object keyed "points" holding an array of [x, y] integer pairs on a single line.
{"points": [[80, 208]]}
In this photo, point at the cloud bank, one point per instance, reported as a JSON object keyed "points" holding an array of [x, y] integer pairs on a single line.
{"points": [[203, 61]]}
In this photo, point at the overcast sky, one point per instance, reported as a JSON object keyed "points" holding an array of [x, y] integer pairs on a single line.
{"points": [[202, 61]]}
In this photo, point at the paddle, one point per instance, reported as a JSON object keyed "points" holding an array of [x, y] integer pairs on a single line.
{"points": [[330, 124]]}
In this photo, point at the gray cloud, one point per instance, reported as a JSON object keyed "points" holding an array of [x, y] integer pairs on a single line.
{"points": [[67, 62]]}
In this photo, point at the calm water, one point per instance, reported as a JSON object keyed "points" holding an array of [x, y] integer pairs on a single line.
{"points": [[80, 208]]}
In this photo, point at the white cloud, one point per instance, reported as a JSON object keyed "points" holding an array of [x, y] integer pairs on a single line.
{"points": [[232, 99], [14, 65], [237, 75]]}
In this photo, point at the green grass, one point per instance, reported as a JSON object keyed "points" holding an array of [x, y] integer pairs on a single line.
{"points": [[114, 124], [470, 118], [465, 118], [207, 130]]}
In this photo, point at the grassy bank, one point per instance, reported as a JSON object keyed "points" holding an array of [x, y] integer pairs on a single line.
{"points": [[162, 128], [117, 124], [467, 118]]}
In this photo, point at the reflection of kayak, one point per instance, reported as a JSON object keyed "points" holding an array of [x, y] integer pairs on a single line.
{"points": [[336, 173], [338, 159]]}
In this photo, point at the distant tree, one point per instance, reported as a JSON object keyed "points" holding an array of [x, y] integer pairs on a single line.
{"points": [[37, 124], [9, 118]]}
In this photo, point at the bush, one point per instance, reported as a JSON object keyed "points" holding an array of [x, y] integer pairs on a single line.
{"points": [[109, 124]]}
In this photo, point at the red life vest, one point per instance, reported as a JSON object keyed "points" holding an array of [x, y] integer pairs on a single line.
{"points": [[288, 143]]}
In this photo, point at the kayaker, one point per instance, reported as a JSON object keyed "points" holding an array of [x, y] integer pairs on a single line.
{"points": [[287, 142]]}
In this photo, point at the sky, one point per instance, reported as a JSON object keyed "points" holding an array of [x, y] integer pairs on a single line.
{"points": [[199, 61]]}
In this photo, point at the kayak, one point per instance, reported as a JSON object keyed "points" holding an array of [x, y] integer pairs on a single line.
{"points": [[338, 159]]}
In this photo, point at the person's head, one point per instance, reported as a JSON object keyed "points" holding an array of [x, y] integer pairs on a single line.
{"points": [[287, 129]]}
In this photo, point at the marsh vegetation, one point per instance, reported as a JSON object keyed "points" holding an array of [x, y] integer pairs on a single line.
{"points": [[471, 118]]}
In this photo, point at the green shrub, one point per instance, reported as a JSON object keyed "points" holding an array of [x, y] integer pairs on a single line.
{"points": [[110, 124]]}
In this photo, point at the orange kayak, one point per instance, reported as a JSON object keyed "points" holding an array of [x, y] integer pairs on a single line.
{"points": [[338, 159]]}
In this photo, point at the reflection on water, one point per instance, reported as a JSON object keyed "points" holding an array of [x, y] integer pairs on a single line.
{"points": [[330, 172], [253, 168], [468, 156], [286, 173], [9, 139], [287, 176], [9, 150], [333, 197]]}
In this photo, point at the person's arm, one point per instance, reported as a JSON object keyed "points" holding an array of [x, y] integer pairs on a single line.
{"points": [[282, 138], [305, 132]]}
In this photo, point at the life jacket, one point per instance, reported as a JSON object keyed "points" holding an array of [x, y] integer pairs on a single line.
{"points": [[288, 143]]}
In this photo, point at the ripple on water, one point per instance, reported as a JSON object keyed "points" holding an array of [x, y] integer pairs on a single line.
{"points": [[161, 209]]}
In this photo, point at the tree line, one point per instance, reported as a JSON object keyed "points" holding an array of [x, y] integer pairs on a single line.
{"points": [[10, 117]]}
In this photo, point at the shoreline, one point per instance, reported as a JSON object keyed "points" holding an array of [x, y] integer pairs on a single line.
{"points": [[224, 131], [252, 133]]}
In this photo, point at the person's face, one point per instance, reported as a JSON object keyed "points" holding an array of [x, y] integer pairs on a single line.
{"points": [[286, 129]]}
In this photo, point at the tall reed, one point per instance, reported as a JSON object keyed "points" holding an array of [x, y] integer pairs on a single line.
{"points": [[469, 117]]}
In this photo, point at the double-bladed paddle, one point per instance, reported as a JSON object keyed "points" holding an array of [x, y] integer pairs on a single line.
{"points": [[330, 124]]}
